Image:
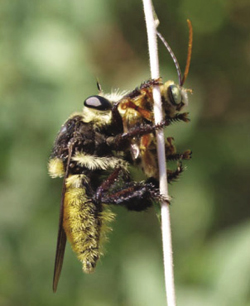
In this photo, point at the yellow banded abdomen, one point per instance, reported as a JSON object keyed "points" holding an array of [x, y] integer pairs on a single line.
{"points": [[84, 224]]}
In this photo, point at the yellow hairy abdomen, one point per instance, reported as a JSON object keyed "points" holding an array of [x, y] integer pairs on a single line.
{"points": [[84, 225]]}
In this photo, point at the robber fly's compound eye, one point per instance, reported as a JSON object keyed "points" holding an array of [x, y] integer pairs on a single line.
{"points": [[174, 95], [98, 103]]}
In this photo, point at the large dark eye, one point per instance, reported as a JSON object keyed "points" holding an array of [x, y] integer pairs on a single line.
{"points": [[97, 102], [174, 95]]}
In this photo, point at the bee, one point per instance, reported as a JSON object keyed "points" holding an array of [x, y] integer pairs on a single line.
{"points": [[93, 152], [136, 109]]}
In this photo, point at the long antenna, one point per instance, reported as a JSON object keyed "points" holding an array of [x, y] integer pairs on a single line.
{"points": [[172, 55], [190, 44]]}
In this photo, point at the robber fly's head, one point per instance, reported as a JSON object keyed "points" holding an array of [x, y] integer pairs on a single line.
{"points": [[97, 110]]}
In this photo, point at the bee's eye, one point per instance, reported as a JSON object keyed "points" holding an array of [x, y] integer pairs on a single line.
{"points": [[174, 95], [98, 103]]}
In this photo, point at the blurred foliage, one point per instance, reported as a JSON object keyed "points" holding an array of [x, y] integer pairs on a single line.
{"points": [[50, 54]]}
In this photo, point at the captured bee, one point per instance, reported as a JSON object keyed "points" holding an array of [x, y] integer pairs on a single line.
{"points": [[136, 109], [90, 158]]}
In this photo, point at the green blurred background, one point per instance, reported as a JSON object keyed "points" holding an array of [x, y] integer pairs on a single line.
{"points": [[50, 55]]}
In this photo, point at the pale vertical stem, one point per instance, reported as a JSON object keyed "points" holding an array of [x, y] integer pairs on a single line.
{"points": [[165, 215]]}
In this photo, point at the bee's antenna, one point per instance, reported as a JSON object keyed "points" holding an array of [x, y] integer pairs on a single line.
{"points": [[172, 55], [190, 44]]}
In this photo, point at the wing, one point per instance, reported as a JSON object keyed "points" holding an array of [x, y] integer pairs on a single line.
{"points": [[61, 244], [61, 238]]}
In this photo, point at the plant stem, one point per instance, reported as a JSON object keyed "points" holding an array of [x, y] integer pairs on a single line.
{"points": [[165, 215]]}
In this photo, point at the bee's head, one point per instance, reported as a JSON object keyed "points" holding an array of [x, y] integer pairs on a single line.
{"points": [[174, 97]]}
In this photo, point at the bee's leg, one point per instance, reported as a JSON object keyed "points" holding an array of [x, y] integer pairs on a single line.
{"points": [[137, 196], [178, 117], [174, 175], [169, 147], [129, 103], [137, 93], [171, 153], [186, 155]]}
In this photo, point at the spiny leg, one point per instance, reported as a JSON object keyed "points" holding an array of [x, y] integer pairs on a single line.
{"points": [[144, 129], [118, 189], [186, 155], [173, 175], [172, 155], [147, 85], [137, 196], [108, 183]]}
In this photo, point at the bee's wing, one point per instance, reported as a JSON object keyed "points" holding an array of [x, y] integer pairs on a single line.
{"points": [[61, 238]]}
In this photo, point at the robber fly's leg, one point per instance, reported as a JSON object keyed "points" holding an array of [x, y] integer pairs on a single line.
{"points": [[124, 138], [151, 82], [145, 88], [137, 196], [144, 129], [109, 182]]}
